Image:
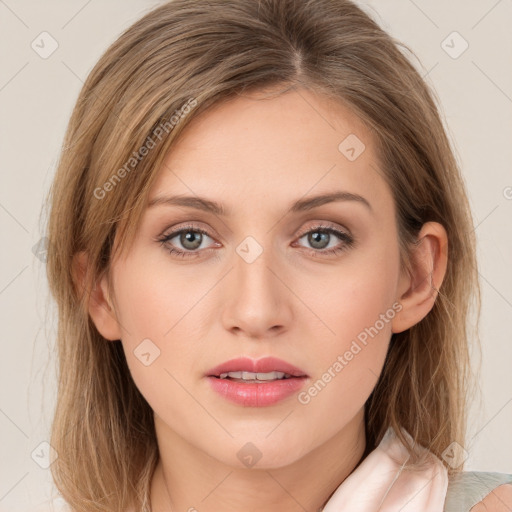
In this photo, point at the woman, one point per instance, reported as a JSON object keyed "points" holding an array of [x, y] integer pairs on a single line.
{"points": [[263, 257]]}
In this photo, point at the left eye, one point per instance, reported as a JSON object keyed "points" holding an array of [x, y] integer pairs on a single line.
{"points": [[191, 238], [319, 236]]}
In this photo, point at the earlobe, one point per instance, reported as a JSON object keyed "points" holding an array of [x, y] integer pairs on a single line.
{"points": [[99, 305], [418, 291]]}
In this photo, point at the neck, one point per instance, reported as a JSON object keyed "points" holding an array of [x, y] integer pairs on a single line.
{"points": [[188, 479]]}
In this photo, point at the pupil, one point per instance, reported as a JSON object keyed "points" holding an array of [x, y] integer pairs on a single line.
{"points": [[315, 239], [191, 237]]}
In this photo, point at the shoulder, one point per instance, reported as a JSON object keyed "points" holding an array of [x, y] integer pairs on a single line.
{"points": [[498, 500], [479, 491]]}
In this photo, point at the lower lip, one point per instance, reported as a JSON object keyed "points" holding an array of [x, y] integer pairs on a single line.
{"points": [[256, 394]]}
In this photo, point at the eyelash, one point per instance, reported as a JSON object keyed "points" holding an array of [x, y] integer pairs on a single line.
{"points": [[321, 228]]}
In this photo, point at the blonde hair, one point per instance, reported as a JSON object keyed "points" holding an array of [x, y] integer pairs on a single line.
{"points": [[199, 53]]}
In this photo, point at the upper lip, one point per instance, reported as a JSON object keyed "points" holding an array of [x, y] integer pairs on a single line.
{"points": [[263, 365]]}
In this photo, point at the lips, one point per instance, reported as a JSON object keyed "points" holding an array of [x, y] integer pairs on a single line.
{"points": [[256, 393], [264, 365]]}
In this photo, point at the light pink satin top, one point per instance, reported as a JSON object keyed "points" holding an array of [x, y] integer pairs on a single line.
{"points": [[380, 483]]}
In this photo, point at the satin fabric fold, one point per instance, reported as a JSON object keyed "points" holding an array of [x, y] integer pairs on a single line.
{"points": [[380, 483]]}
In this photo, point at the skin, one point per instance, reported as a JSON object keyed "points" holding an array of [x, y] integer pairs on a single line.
{"points": [[498, 500], [256, 156]]}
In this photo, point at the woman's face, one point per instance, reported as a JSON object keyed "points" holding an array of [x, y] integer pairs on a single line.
{"points": [[262, 281]]}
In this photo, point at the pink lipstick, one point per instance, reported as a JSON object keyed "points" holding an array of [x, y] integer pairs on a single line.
{"points": [[256, 383]]}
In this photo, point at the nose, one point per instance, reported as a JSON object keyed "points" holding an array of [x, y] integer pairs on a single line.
{"points": [[258, 301]]}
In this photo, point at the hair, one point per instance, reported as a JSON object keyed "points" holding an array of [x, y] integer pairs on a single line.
{"points": [[202, 52]]}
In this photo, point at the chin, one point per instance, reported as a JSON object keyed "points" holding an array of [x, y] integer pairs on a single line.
{"points": [[253, 452]]}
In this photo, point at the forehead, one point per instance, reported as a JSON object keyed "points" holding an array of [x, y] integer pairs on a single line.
{"points": [[275, 149]]}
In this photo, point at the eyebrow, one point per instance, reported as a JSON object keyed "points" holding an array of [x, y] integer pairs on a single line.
{"points": [[201, 203]]}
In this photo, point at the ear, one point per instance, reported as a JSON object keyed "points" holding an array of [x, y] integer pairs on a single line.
{"points": [[418, 290], [99, 305]]}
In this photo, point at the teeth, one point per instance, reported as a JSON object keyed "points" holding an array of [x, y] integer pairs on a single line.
{"points": [[251, 376]]}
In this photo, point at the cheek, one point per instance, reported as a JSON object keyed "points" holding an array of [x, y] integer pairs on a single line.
{"points": [[161, 309], [357, 304], [157, 321], [148, 307], [352, 296], [347, 367], [155, 299]]}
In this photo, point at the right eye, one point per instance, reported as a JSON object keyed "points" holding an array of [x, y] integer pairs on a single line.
{"points": [[189, 237]]}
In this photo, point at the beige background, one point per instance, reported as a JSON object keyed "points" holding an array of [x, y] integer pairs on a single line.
{"points": [[36, 98]]}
